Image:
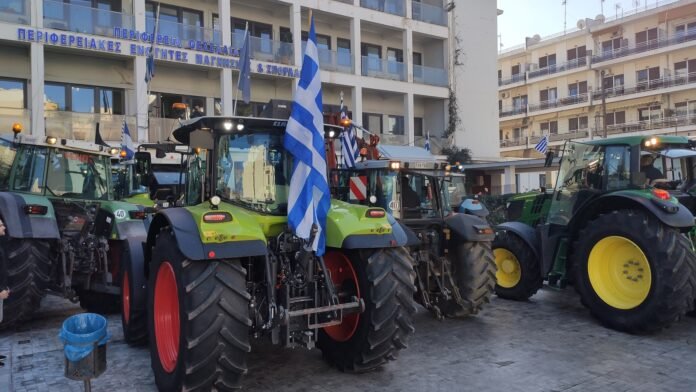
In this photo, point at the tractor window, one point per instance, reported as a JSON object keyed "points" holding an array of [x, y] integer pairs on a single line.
{"points": [[418, 197], [618, 163], [77, 175], [7, 156], [29, 173], [196, 174], [383, 185]]}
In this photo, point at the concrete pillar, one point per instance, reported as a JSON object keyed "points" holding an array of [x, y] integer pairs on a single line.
{"points": [[209, 106], [409, 9], [226, 86], [296, 29], [139, 14], [408, 52], [140, 105], [355, 39], [36, 12], [38, 121], [509, 180], [408, 119]]}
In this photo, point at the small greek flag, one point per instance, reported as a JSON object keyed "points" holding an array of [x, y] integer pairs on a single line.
{"points": [[349, 147], [427, 142], [309, 196], [127, 142], [244, 84], [543, 143]]}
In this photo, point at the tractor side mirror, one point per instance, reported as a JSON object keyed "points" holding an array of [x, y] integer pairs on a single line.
{"points": [[549, 159], [143, 164]]}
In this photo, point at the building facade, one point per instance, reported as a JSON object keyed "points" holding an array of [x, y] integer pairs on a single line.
{"points": [[67, 64], [631, 74]]}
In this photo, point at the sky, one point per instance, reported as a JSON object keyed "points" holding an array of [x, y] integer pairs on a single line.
{"points": [[524, 18]]}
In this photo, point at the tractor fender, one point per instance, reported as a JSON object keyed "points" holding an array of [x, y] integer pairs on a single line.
{"points": [[189, 241], [525, 232], [132, 253], [467, 227], [21, 225], [400, 236], [671, 214]]}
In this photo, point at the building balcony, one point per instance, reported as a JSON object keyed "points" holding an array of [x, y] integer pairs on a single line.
{"points": [[671, 123], [511, 80], [576, 134], [396, 7], [393, 140], [333, 61], [430, 75], [265, 49], [17, 11], [83, 19], [9, 116], [82, 126], [556, 68], [567, 101], [429, 13], [159, 129], [650, 85], [513, 142], [184, 32], [512, 111], [384, 69], [628, 50], [531, 141]]}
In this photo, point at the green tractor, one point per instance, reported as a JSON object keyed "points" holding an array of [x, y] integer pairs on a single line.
{"points": [[224, 267], [607, 230], [65, 233], [455, 269]]}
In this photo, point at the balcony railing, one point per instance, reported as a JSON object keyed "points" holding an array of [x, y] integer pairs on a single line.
{"points": [[649, 85], [645, 46], [265, 49], [513, 79], [396, 7], [159, 129], [82, 126], [82, 19], [385, 69], [571, 100], [552, 69], [517, 141], [532, 140], [185, 32], [577, 134], [393, 140], [333, 61], [9, 116], [430, 75], [16, 12], [512, 111], [429, 13], [670, 122]]}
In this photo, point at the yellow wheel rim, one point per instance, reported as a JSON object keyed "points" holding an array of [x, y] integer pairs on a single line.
{"points": [[509, 271], [619, 272]]}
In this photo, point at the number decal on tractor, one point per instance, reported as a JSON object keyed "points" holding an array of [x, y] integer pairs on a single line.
{"points": [[120, 214]]}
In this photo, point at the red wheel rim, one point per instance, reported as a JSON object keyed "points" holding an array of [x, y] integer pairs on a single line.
{"points": [[125, 297], [344, 278], [167, 317]]}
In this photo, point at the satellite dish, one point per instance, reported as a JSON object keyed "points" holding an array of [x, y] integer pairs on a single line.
{"points": [[536, 37], [599, 18], [581, 24]]}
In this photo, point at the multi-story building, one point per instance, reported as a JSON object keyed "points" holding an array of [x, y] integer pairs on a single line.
{"points": [[67, 64], [634, 73]]}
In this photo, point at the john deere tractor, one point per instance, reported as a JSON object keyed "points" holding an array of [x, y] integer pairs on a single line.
{"points": [[608, 230], [224, 267], [65, 233], [455, 270]]}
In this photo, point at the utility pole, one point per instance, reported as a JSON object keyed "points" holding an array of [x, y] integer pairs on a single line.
{"points": [[601, 4], [604, 106], [565, 15]]}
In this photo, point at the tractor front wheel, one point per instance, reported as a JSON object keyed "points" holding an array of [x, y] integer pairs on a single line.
{"points": [[634, 273], [518, 273], [384, 281], [198, 320], [473, 270]]}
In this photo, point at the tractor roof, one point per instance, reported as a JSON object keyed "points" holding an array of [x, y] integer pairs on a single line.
{"points": [[61, 144], [228, 124], [636, 140]]}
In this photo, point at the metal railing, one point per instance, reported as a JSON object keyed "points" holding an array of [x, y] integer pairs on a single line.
{"points": [[644, 46], [159, 129], [513, 79], [429, 13], [333, 61], [16, 12], [552, 69], [512, 111], [384, 69], [185, 32], [649, 85], [533, 139], [577, 134], [652, 124], [9, 116], [571, 100], [82, 126], [430, 75], [82, 19], [396, 7], [266, 49]]}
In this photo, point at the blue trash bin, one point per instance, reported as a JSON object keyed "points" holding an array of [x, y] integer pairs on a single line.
{"points": [[84, 338]]}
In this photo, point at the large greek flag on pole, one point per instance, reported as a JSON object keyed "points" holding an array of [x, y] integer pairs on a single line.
{"points": [[543, 143], [309, 197], [127, 142]]}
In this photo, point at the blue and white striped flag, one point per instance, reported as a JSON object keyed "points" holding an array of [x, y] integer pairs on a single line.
{"points": [[150, 59], [244, 84], [427, 142], [543, 143], [349, 147], [309, 198], [127, 142]]}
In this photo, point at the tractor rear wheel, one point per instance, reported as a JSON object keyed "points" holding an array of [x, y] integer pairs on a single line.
{"points": [[473, 270], [634, 273], [198, 320], [518, 273], [28, 275], [383, 279]]}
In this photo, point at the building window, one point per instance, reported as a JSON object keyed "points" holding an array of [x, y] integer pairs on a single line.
{"points": [[259, 30], [615, 118], [373, 122], [548, 97], [648, 78], [13, 93], [519, 103], [577, 123], [83, 99], [500, 74], [286, 35], [373, 53], [681, 109], [547, 61], [614, 82], [395, 125], [174, 21], [685, 69], [651, 113], [549, 127], [515, 70], [646, 39], [578, 54], [418, 126], [577, 89], [685, 29], [542, 180], [612, 45], [343, 51], [15, 7], [164, 105]]}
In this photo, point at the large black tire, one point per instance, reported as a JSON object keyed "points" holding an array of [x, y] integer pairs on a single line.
{"points": [[529, 268], [473, 270], [386, 286], [133, 298], [101, 303], [672, 269], [212, 320], [29, 273]]}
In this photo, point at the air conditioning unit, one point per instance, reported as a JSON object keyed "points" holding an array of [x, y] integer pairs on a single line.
{"points": [[505, 94]]}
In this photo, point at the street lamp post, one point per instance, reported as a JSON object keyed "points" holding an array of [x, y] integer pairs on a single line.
{"points": [[604, 105]]}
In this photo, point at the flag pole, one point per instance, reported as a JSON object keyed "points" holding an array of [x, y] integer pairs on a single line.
{"points": [[239, 74], [154, 41]]}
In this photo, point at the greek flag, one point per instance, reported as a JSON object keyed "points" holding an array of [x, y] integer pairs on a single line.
{"points": [[309, 197], [150, 60], [127, 142], [244, 84], [427, 142], [543, 143], [349, 144]]}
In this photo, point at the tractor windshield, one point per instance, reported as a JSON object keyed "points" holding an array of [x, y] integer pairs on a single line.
{"points": [[253, 170], [7, 156], [358, 187]]}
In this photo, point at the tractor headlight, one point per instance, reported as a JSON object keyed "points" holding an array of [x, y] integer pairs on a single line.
{"points": [[215, 201]]}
